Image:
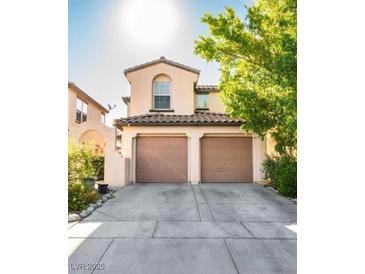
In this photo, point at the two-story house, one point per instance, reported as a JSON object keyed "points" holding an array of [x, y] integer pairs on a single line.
{"points": [[83, 108], [177, 131], [86, 124]]}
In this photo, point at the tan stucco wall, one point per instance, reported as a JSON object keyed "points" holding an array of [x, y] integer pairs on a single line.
{"points": [[93, 113], [93, 136], [194, 133], [214, 102], [129, 109], [71, 108], [114, 169], [182, 82], [270, 146]]}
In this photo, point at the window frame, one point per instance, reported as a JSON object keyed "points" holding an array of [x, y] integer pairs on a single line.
{"points": [[81, 112], [102, 118], [162, 94], [206, 102]]}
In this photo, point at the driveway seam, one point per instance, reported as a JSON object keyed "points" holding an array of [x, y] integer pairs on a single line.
{"points": [[247, 230], [107, 215], [154, 230], [73, 224], [238, 213], [201, 190], [230, 254], [103, 254], [196, 203]]}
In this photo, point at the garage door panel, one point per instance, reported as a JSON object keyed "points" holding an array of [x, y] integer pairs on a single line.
{"points": [[161, 159], [226, 159]]}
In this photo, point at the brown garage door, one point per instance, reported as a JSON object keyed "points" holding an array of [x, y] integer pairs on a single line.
{"points": [[162, 159], [226, 159]]}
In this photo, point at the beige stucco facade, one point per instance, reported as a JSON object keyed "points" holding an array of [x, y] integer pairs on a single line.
{"points": [[215, 103], [182, 93], [114, 162], [93, 130], [194, 135], [93, 112], [270, 146], [120, 169]]}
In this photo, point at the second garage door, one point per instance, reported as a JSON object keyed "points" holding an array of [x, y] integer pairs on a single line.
{"points": [[226, 159], [162, 159]]}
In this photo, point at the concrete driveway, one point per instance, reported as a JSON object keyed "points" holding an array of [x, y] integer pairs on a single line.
{"points": [[183, 228]]}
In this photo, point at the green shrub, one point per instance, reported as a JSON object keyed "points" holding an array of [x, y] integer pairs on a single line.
{"points": [[282, 172], [80, 196], [98, 164], [80, 162]]}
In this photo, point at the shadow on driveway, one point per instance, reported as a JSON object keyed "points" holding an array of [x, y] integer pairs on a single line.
{"points": [[184, 228]]}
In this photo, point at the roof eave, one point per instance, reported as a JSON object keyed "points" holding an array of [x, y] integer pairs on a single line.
{"points": [[126, 71], [83, 93], [124, 124]]}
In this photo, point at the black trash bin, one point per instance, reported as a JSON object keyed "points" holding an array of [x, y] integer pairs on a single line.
{"points": [[102, 188]]}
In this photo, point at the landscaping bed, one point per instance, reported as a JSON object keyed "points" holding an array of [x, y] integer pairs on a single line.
{"points": [[85, 167], [88, 209]]}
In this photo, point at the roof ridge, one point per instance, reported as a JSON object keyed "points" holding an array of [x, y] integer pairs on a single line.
{"points": [[162, 59]]}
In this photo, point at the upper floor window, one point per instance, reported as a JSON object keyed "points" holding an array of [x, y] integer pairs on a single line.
{"points": [[202, 101], [102, 119], [81, 111], [161, 94]]}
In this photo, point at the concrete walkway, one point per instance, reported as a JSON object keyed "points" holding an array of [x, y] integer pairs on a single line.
{"points": [[183, 228]]}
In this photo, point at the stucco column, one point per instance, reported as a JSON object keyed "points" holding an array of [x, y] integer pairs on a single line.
{"points": [[128, 150], [194, 157], [259, 155]]}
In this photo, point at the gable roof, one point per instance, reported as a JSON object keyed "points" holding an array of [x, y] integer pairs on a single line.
{"points": [[86, 96], [161, 60], [196, 119]]}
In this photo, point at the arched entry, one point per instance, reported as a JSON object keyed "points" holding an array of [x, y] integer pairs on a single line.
{"points": [[104, 137], [94, 137]]}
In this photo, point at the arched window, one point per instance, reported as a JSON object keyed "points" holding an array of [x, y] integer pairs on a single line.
{"points": [[161, 90]]}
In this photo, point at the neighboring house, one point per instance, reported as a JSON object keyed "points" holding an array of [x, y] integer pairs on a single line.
{"points": [[177, 131], [86, 123]]}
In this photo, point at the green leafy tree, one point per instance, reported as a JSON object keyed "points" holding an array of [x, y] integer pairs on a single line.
{"points": [[258, 64]]}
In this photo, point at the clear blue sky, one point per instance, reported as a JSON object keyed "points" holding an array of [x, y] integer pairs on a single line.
{"points": [[108, 36]]}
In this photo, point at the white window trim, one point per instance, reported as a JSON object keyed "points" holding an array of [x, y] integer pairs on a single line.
{"points": [[83, 110], [197, 101], [153, 95]]}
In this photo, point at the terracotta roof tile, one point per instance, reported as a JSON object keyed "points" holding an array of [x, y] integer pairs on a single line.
{"points": [[162, 59], [206, 88], [198, 118]]}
